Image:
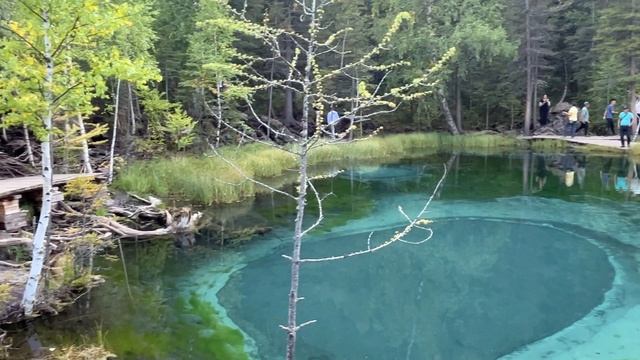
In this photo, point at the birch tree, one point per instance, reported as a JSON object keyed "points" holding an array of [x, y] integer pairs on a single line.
{"points": [[308, 80], [55, 58]]}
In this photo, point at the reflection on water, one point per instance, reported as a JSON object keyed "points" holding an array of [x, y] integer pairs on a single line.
{"points": [[478, 290]]}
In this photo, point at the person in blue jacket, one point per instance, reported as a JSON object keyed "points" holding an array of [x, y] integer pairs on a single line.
{"points": [[625, 120]]}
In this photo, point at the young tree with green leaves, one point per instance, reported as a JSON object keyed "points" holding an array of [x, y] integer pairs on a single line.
{"points": [[211, 59], [55, 58]]}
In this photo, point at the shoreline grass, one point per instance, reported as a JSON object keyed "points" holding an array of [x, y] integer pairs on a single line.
{"points": [[207, 179]]}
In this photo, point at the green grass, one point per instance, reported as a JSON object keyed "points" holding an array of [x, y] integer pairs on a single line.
{"points": [[208, 179]]}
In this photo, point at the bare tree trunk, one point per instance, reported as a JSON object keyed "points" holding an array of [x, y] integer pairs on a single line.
{"points": [[295, 259], [39, 239], [86, 158], [528, 100], [166, 82], [447, 113], [486, 119], [292, 324], [132, 112], [270, 105], [534, 103], [218, 111], [115, 133], [65, 147], [4, 131], [458, 102], [27, 141], [566, 82], [289, 119], [513, 118]]}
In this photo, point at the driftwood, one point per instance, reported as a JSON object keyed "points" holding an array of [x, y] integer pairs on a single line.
{"points": [[11, 167], [181, 223], [184, 222]]}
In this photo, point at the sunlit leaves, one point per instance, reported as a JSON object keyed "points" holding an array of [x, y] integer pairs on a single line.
{"points": [[86, 51]]}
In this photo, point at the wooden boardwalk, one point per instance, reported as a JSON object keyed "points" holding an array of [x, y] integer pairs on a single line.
{"points": [[17, 186], [611, 142]]}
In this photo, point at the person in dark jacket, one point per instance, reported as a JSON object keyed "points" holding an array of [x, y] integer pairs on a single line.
{"points": [[544, 108]]}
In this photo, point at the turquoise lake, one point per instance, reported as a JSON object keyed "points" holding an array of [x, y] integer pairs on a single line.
{"points": [[534, 256]]}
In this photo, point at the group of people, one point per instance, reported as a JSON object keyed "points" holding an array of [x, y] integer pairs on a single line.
{"points": [[579, 119]]}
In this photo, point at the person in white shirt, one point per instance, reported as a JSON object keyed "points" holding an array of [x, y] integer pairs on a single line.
{"points": [[332, 119]]}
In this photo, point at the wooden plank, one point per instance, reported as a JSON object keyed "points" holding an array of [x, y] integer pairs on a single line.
{"points": [[612, 142], [20, 185]]}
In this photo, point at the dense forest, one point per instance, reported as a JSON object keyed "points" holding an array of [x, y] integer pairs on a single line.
{"points": [[173, 66], [209, 102]]}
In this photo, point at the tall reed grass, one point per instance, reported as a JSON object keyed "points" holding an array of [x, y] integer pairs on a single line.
{"points": [[207, 179]]}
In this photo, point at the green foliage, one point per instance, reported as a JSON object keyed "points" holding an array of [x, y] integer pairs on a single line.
{"points": [[169, 127], [179, 129], [87, 42]]}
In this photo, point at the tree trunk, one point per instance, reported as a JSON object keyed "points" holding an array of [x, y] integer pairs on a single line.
{"points": [[292, 324], [166, 82], [86, 158], [447, 113], [27, 141], [39, 238], [270, 104], [4, 131], [132, 112], [65, 147], [513, 118], [115, 133], [289, 119], [528, 100], [566, 82], [295, 259], [458, 102], [218, 111], [486, 119]]}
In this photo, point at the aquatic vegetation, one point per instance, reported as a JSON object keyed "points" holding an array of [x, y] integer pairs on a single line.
{"points": [[208, 179], [195, 330], [546, 145]]}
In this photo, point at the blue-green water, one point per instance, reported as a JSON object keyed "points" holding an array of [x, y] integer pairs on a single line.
{"points": [[532, 257]]}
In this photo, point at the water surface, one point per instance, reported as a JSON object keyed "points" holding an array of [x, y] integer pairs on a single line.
{"points": [[534, 256]]}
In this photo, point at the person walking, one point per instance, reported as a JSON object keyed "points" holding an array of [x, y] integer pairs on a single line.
{"points": [[332, 119], [544, 107], [572, 120], [609, 113], [624, 122], [584, 119]]}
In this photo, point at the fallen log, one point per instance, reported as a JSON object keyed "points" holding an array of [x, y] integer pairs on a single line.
{"points": [[14, 241], [184, 222]]}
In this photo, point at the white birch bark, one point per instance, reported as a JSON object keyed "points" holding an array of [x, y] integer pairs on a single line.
{"points": [[132, 131], [219, 111], [86, 158], [39, 239], [4, 131], [115, 133], [27, 141]]}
